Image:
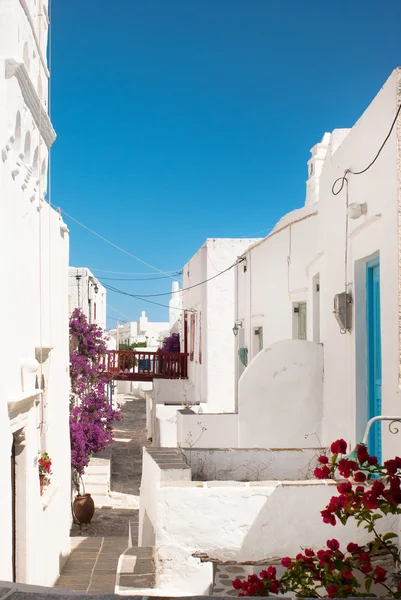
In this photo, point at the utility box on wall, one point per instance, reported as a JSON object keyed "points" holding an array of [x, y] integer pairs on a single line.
{"points": [[343, 311]]}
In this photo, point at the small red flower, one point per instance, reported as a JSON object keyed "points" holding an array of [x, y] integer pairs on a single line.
{"points": [[331, 591], [309, 552], [286, 561], [380, 575], [345, 488], [237, 584], [359, 477], [346, 467], [323, 473], [333, 544], [362, 454], [323, 460], [353, 548], [339, 447], [347, 574]]}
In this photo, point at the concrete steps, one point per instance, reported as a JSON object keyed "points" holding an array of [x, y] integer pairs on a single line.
{"points": [[136, 571], [97, 478]]}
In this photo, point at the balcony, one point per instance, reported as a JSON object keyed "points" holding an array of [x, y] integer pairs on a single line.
{"points": [[131, 365]]}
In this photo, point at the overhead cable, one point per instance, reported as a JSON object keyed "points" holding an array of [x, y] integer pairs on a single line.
{"points": [[187, 288], [115, 245], [343, 179]]}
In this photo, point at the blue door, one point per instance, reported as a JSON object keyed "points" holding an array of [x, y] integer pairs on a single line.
{"points": [[374, 355]]}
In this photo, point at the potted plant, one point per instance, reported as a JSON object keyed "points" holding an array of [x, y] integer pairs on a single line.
{"points": [[45, 465]]}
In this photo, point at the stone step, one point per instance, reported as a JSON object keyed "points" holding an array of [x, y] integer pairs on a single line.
{"points": [[136, 570]]}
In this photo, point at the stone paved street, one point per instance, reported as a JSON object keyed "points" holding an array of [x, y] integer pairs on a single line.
{"points": [[96, 548]]}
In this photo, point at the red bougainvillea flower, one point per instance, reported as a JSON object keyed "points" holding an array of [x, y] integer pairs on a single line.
{"points": [[333, 544], [339, 447], [309, 552], [323, 473], [286, 561], [331, 591], [323, 460], [346, 573], [345, 488], [380, 575], [347, 467], [237, 584], [353, 548], [359, 477]]}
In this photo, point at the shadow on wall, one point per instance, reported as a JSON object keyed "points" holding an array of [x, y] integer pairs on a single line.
{"points": [[281, 396]]}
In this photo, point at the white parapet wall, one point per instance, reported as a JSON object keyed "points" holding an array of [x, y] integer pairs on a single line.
{"points": [[239, 522], [191, 524], [253, 464], [206, 430], [174, 391], [281, 397]]}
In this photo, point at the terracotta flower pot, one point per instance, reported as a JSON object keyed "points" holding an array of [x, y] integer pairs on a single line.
{"points": [[84, 508]]}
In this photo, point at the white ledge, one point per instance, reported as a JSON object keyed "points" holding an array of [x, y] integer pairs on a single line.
{"points": [[15, 68], [23, 402]]}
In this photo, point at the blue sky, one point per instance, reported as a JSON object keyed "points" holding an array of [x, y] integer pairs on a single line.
{"points": [[179, 120]]}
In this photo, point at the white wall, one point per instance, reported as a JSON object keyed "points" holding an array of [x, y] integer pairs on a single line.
{"points": [[87, 293], [206, 430], [34, 263], [239, 522], [251, 464], [280, 397], [214, 374], [345, 390], [275, 278]]}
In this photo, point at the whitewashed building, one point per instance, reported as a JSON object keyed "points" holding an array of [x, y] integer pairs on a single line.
{"points": [[317, 333], [87, 293], [34, 242], [144, 331], [320, 297]]}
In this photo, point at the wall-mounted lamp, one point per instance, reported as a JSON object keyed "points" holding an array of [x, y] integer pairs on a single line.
{"points": [[236, 327], [356, 210]]}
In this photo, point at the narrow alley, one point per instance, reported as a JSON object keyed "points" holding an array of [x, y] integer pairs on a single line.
{"points": [[96, 548]]}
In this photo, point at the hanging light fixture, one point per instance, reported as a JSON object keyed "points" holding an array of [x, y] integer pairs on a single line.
{"points": [[236, 327]]}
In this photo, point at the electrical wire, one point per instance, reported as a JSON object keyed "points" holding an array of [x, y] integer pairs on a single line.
{"points": [[118, 312], [179, 271], [187, 288], [117, 291], [343, 179], [115, 245], [135, 279]]}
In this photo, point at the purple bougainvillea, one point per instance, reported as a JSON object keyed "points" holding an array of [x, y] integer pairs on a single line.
{"points": [[172, 343], [91, 416]]}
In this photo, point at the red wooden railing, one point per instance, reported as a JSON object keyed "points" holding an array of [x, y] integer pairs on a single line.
{"points": [[145, 366]]}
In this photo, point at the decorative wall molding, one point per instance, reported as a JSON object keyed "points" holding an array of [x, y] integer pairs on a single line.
{"points": [[17, 69], [37, 41]]}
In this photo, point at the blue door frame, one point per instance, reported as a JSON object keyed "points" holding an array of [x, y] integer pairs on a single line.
{"points": [[374, 355]]}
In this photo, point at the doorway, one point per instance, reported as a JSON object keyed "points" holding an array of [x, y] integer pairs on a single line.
{"points": [[374, 356]]}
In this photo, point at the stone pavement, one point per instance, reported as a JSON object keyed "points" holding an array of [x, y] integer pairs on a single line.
{"points": [[96, 548]]}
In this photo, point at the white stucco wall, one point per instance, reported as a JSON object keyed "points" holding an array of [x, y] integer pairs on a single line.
{"points": [[304, 260], [254, 464], [275, 278], [239, 522], [206, 430], [214, 303], [174, 391], [345, 387], [280, 397], [34, 249], [87, 293]]}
